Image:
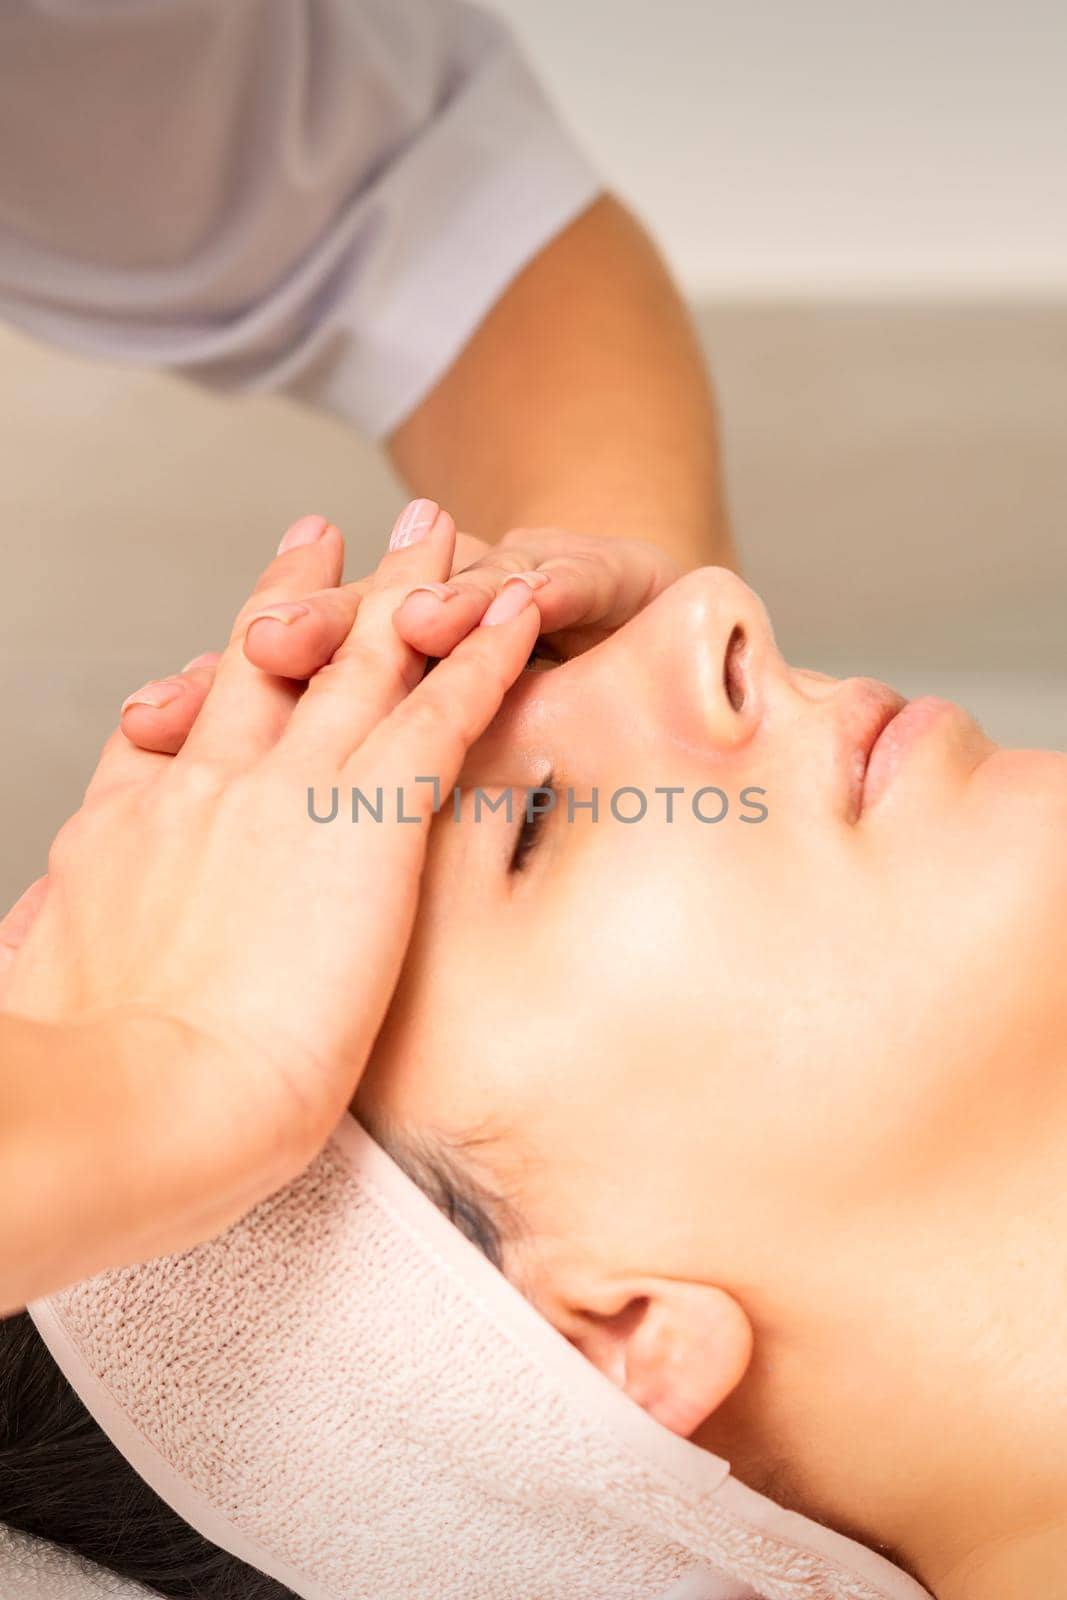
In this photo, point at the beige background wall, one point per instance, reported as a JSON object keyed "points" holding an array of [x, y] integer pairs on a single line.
{"points": [[898, 479], [868, 207], [834, 148]]}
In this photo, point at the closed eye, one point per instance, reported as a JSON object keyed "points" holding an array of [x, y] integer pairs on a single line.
{"points": [[543, 654], [540, 801]]}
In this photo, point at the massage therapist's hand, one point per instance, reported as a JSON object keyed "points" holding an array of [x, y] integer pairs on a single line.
{"points": [[586, 587], [192, 1007]]}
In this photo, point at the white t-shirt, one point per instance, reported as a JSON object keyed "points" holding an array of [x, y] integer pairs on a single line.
{"points": [[261, 191]]}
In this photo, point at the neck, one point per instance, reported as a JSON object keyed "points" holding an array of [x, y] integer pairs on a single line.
{"points": [[922, 1393], [1031, 1563], [990, 1521], [975, 1469]]}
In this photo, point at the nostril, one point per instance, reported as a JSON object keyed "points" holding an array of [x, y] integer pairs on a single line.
{"points": [[733, 680]]}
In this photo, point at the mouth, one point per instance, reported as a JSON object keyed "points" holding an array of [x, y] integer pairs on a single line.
{"points": [[872, 709]]}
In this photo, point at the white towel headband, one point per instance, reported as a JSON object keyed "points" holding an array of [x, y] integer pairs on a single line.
{"points": [[342, 1392]]}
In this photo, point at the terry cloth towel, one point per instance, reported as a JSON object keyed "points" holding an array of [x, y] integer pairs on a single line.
{"points": [[343, 1392]]}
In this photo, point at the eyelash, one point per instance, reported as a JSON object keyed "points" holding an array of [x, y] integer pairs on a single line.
{"points": [[530, 828], [529, 831], [546, 655], [543, 651]]}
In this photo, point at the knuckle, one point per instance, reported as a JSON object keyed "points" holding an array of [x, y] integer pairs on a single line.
{"points": [[583, 565], [486, 573], [479, 586], [116, 743], [190, 781], [66, 845], [364, 675], [379, 664], [468, 550], [356, 657], [433, 720], [429, 714], [82, 835], [518, 559], [387, 583]]}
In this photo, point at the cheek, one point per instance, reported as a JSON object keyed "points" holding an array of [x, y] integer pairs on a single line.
{"points": [[607, 1030], [677, 942], [698, 1006]]}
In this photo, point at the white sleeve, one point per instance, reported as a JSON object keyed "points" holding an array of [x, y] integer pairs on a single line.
{"points": [[261, 191]]}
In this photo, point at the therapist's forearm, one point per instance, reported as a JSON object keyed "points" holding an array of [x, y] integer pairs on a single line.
{"points": [[581, 402], [65, 1191], [106, 1134]]}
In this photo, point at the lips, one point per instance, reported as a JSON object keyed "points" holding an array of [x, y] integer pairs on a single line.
{"points": [[868, 712]]}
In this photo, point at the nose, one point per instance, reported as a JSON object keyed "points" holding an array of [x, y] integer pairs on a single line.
{"points": [[698, 662]]}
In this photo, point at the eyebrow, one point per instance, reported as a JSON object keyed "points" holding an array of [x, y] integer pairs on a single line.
{"points": [[531, 828], [434, 1164]]}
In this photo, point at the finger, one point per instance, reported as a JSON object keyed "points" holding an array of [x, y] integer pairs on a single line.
{"points": [[373, 668], [469, 549], [158, 716], [595, 584], [590, 587], [428, 734], [433, 617], [121, 764], [293, 639], [246, 708], [17, 924]]}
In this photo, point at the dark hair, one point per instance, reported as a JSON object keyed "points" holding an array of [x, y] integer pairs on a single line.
{"points": [[63, 1480]]}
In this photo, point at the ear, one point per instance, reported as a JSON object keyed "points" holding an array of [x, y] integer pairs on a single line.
{"points": [[676, 1348]]}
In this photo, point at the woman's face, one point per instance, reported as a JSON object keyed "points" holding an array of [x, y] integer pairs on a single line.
{"points": [[676, 1035]]}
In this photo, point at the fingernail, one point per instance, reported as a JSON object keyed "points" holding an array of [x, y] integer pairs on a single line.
{"points": [[156, 695], [208, 659], [306, 531], [442, 591], [413, 523], [285, 611], [507, 604], [532, 580]]}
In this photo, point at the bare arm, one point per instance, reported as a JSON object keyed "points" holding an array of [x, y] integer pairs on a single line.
{"points": [[87, 1147], [153, 1086], [581, 402]]}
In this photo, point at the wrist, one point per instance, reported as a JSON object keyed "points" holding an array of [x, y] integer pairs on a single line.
{"points": [[117, 1139], [693, 536]]}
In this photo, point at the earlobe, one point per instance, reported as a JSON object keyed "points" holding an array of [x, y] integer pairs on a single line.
{"points": [[678, 1349]]}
